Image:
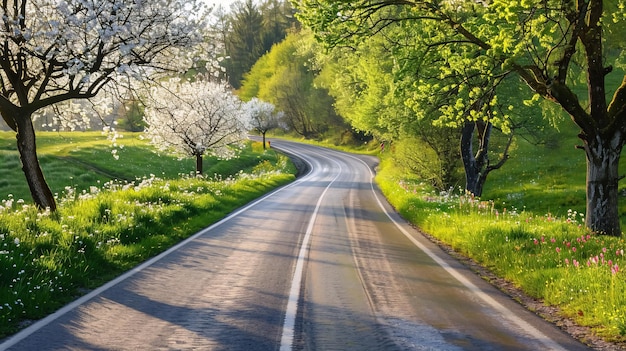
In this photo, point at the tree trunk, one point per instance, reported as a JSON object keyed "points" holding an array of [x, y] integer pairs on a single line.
{"points": [[198, 163], [474, 165], [263, 140], [27, 147], [602, 214]]}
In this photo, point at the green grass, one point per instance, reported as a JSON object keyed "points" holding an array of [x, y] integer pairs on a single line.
{"points": [[84, 159], [103, 229], [529, 229]]}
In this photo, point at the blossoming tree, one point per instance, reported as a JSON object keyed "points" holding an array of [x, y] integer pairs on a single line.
{"points": [[196, 118], [57, 50], [263, 116]]}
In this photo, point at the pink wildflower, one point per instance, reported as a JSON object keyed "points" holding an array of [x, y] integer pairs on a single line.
{"points": [[604, 249], [575, 263], [574, 249], [536, 242], [614, 269], [567, 262], [558, 250]]}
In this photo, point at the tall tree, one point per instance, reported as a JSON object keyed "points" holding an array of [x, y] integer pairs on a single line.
{"points": [[244, 43], [58, 50], [249, 31], [195, 119], [278, 18], [543, 42]]}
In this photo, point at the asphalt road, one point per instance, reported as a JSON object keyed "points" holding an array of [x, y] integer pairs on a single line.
{"points": [[321, 264]]}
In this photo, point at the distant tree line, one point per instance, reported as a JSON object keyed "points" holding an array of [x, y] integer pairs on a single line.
{"points": [[247, 31]]}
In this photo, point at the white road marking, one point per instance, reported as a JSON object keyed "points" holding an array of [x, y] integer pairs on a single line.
{"points": [[24, 333], [502, 310], [286, 340]]}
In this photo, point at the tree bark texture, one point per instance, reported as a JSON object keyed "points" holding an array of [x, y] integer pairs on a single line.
{"points": [[27, 147], [603, 155], [474, 165]]}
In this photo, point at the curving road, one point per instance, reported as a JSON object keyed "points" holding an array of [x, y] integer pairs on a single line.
{"points": [[321, 264]]}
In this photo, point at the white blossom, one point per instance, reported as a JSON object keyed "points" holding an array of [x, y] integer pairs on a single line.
{"points": [[195, 118]]}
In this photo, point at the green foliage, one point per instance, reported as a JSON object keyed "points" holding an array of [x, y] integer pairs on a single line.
{"points": [[252, 32], [285, 78], [364, 89], [440, 168], [48, 259]]}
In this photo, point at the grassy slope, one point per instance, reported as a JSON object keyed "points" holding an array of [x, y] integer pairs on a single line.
{"points": [[83, 159], [544, 179], [47, 259]]}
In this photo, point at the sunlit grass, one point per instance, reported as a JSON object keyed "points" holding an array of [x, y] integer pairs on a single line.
{"points": [[106, 227], [535, 239]]}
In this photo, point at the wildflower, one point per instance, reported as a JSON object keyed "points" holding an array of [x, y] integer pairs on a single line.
{"points": [[604, 249], [558, 250], [535, 242], [575, 263], [574, 249], [614, 269], [567, 262]]}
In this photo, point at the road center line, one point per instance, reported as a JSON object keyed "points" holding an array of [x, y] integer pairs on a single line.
{"points": [[286, 341]]}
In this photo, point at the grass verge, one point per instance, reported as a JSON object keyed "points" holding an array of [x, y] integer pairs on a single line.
{"points": [[48, 259], [541, 247]]}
